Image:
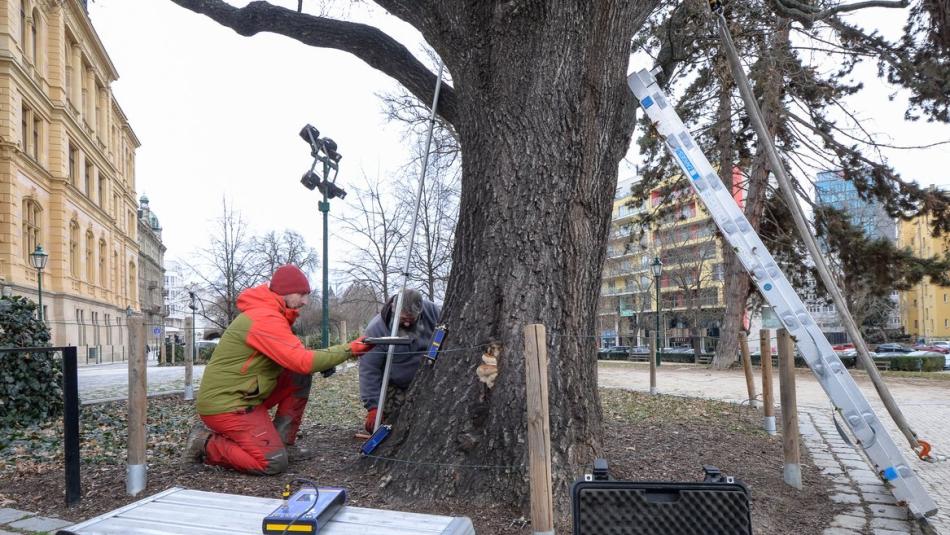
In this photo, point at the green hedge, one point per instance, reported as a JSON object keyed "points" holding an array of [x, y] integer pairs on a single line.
{"points": [[177, 354], [914, 364], [30, 383]]}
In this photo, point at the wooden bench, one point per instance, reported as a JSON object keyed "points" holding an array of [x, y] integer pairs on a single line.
{"points": [[882, 365], [176, 511]]}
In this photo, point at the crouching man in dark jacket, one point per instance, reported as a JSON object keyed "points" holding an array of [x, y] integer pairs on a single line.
{"points": [[417, 321]]}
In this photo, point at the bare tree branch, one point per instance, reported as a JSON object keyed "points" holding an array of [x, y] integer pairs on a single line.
{"points": [[369, 44], [808, 14]]}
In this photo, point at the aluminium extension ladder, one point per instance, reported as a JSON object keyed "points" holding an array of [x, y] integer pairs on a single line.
{"points": [[843, 392]]}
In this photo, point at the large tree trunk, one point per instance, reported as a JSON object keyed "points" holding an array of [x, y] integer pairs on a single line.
{"points": [[544, 119], [737, 285], [736, 281]]}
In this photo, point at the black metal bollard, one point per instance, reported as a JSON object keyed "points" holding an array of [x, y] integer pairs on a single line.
{"points": [[71, 425]]}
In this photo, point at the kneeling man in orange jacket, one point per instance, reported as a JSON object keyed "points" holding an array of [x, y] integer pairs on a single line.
{"points": [[258, 364]]}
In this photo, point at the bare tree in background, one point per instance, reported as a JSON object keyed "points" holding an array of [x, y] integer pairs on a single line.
{"points": [[289, 247], [225, 267], [431, 257], [375, 228]]}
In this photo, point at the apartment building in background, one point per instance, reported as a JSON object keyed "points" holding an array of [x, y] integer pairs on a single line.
{"points": [[685, 240], [151, 273], [831, 189], [925, 308], [67, 176]]}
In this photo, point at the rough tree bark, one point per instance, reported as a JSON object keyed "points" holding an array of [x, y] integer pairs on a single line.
{"points": [[544, 117]]}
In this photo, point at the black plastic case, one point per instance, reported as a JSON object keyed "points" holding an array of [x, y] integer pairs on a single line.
{"points": [[604, 507]]}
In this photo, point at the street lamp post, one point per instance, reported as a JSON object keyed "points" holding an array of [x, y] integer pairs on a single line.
{"points": [[323, 150], [194, 325], [657, 267], [38, 258]]}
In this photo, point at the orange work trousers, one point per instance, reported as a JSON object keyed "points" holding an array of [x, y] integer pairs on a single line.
{"points": [[248, 440]]}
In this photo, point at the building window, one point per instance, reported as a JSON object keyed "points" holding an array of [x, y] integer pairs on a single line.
{"points": [[102, 193], [23, 26], [68, 54], [25, 121], [34, 37], [73, 164], [103, 275], [944, 298], [80, 324], [31, 227], [90, 177], [108, 323], [94, 316], [916, 325], [90, 258], [37, 131], [74, 249], [115, 272], [132, 286]]}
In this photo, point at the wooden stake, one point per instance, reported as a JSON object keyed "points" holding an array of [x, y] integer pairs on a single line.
{"points": [[768, 399], [162, 349], [539, 430], [136, 477], [786, 375], [189, 357], [652, 366], [747, 366]]}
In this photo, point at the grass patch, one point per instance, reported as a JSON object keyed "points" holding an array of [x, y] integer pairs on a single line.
{"points": [[639, 408]]}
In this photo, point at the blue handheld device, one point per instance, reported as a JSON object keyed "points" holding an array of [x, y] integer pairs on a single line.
{"points": [[437, 338], [374, 441]]}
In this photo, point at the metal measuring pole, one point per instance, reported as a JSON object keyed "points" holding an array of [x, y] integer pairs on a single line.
{"points": [[412, 238], [325, 209]]}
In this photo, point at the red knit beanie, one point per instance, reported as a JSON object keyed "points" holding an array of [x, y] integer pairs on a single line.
{"points": [[288, 279]]}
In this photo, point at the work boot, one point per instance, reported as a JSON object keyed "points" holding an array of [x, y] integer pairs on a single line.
{"points": [[195, 444], [298, 453]]}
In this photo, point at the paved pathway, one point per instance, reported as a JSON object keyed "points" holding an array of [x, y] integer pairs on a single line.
{"points": [[111, 381], [925, 402], [27, 522]]}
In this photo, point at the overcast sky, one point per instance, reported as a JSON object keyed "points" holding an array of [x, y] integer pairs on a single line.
{"points": [[218, 114]]}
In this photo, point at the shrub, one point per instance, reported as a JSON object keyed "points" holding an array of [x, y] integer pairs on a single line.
{"points": [[30, 382], [176, 353], [914, 364]]}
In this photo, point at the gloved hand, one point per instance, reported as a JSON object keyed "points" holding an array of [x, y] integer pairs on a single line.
{"points": [[370, 420], [358, 348]]}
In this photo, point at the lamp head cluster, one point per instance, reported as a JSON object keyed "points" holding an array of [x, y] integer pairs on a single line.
{"points": [[323, 150]]}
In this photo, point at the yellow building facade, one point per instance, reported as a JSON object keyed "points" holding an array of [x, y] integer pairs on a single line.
{"points": [[925, 308], [67, 176]]}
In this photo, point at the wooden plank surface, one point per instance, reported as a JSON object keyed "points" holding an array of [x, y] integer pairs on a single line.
{"points": [[195, 512]]}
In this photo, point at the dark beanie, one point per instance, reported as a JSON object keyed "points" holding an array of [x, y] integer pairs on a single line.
{"points": [[288, 279]]}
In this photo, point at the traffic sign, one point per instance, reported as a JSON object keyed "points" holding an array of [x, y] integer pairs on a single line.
{"points": [[157, 331]]}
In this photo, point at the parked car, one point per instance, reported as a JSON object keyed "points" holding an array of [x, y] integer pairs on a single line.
{"points": [[884, 349], [640, 350], [933, 348], [677, 349], [613, 353]]}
